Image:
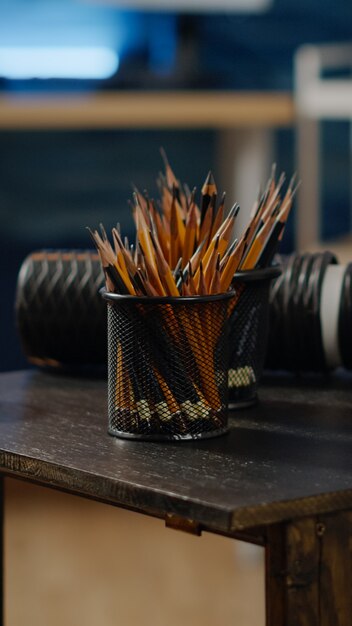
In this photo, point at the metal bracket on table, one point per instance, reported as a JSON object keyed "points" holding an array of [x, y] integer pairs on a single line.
{"points": [[183, 524]]}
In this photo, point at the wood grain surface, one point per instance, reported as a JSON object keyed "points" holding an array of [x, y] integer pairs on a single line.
{"points": [[289, 457], [336, 569], [309, 572]]}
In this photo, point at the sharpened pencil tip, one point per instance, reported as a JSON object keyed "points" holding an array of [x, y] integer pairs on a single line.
{"points": [[103, 231], [135, 199], [292, 181], [163, 156], [234, 210], [92, 236], [294, 189], [209, 181]]}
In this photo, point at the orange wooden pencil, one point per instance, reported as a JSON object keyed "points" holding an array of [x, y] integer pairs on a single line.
{"points": [[215, 285], [153, 274], [165, 272], [231, 266], [209, 268], [206, 224], [208, 189], [202, 286], [254, 251], [174, 253], [219, 217], [181, 231], [191, 282], [190, 235]]}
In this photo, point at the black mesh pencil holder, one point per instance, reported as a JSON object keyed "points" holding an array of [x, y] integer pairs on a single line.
{"points": [[248, 334], [167, 366]]}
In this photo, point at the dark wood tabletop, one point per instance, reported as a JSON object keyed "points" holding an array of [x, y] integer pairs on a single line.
{"points": [[289, 456]]}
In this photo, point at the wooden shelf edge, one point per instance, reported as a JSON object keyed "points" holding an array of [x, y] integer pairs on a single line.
{"points": [[146, 110]]}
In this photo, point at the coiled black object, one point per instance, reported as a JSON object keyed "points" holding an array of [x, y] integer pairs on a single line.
{"points": [[296, 341], [61, 319]]}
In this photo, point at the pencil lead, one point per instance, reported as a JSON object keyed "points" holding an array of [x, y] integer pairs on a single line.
{"points": [[294, 190], [223, 198], [273, 172], [92, 235], [103, 232], [163, 156], [292, 181], [136, 199], [233, 212], [209, 182]]}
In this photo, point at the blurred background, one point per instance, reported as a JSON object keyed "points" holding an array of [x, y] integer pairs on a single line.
{"points": [[89, 91], [82, 117]]}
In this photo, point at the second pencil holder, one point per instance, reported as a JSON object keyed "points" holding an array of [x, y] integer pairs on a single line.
{"points": [[167, 366], [248, 333]]}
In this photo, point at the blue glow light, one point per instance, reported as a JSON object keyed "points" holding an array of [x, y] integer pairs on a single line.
{"points": [[58, 62]]}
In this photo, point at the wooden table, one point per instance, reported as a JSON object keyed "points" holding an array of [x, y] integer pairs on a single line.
{"points": [[282, 478]]}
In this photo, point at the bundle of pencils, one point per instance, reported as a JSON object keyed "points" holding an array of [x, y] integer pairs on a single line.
{"points": [[182, 248]]}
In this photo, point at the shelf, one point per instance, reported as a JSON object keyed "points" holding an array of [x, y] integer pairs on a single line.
{"points": [[140, 109]]}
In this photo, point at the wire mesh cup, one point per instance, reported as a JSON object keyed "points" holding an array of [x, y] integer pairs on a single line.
{"points": [[167, 366], [248, 315]]}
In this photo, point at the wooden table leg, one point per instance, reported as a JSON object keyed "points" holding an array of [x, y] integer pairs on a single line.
{"points": [[309, 572]]}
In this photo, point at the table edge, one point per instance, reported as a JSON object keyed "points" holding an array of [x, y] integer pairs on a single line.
{"points": [[135, 497]]}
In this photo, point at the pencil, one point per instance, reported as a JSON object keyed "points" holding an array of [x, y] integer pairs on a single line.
{"points": [[208, 189], [184, 249], [190, 235]]}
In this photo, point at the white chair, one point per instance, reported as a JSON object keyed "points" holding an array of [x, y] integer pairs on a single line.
{"points": [[317, 99]]}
